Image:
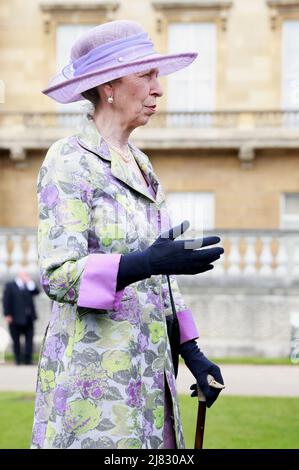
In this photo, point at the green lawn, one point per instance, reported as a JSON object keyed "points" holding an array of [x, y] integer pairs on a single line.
{"points": [[245, 423], [231, 423], [16, 411], [257, 361], [263, 361]]}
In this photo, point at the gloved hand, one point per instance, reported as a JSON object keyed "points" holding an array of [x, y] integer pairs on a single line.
{"points": [[167, 256], [201, 367]]}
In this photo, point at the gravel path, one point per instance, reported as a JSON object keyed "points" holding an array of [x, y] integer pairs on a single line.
{"points": [[251, 380], [239, 380]]}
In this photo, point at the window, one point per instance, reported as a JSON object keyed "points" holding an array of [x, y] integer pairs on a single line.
{"points": [[289, 211], [66, 35], [197, 207], [193, 88], [290, 70]]}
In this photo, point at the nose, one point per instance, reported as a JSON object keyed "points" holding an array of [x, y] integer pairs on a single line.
{"points": [[156, 88]]}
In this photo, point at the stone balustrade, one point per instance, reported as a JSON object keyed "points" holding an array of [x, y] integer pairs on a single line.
{"points": [[251, 257], [257, 258], [243, 307], [18, 247], [240, 119]]}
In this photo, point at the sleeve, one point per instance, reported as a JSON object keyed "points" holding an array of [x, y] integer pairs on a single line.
{"points": [[68, 272], [7, 301], [188, 329]]}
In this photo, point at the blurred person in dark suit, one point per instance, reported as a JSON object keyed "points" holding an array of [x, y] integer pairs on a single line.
{"points": [[20, 314]]}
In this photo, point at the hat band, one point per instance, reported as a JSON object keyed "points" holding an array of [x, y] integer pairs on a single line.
{"points": [[107, 55]]}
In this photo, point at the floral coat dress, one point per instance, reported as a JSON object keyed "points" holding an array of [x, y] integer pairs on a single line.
{"points": [[105, 356]]}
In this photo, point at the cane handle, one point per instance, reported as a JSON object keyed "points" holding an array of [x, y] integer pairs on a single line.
{"points": [[213, 383]]}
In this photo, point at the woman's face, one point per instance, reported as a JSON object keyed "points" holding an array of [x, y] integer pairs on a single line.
{"points": [[135, 97]]}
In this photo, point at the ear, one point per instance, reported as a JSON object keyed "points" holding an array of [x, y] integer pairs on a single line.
{"points": [[106, 89]]}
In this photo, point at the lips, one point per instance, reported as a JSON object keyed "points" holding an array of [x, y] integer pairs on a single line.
{"points": [[152, 108]]}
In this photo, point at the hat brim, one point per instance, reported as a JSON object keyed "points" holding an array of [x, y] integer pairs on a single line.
{"points": [[69, 90]]}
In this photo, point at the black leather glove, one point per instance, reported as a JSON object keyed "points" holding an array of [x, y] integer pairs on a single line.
{"points": [[167, 256], [201, 367]]}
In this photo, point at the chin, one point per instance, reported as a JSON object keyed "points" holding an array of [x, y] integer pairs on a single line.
{"points": [[142, 121]]}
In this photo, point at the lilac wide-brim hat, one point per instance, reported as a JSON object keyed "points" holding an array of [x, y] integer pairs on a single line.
{"points": [[109, 51]]}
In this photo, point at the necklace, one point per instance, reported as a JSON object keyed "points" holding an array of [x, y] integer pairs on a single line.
{"points": [[127, 160], [127, 157]]}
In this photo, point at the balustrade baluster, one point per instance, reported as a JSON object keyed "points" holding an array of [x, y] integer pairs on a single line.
{"points": [[250, 256], [17, 254], [295, 272], [234, 257], [219, 270], [266, 257], [31, 257], [281, 269]]}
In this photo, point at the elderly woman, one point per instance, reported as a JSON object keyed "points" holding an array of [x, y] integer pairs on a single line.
{"points": [[108, 259]]}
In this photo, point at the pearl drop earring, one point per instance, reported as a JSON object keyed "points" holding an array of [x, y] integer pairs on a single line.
{"points": [[110, 99]]}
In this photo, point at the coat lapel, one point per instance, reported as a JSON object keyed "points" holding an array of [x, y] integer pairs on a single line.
{"points": [[89, 138], [146, 167]]}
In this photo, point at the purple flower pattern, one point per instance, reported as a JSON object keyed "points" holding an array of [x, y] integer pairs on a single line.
{"points": [[49, 196], [60, 399], [134, 393], [54, 348]]}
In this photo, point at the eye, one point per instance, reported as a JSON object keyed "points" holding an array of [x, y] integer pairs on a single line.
{"points": [[150, 74]]}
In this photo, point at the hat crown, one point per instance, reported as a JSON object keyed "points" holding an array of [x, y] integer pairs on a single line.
{"points": [[107, 52], [103, 34]]}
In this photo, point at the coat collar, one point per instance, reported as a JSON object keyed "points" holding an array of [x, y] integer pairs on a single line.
{"points": [[89, 138]]}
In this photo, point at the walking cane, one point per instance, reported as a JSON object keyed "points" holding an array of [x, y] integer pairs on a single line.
{"points": [[201, 413]]}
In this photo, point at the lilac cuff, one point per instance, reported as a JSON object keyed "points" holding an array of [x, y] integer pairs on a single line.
{"points": [[98, 282], [188, 329]]}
